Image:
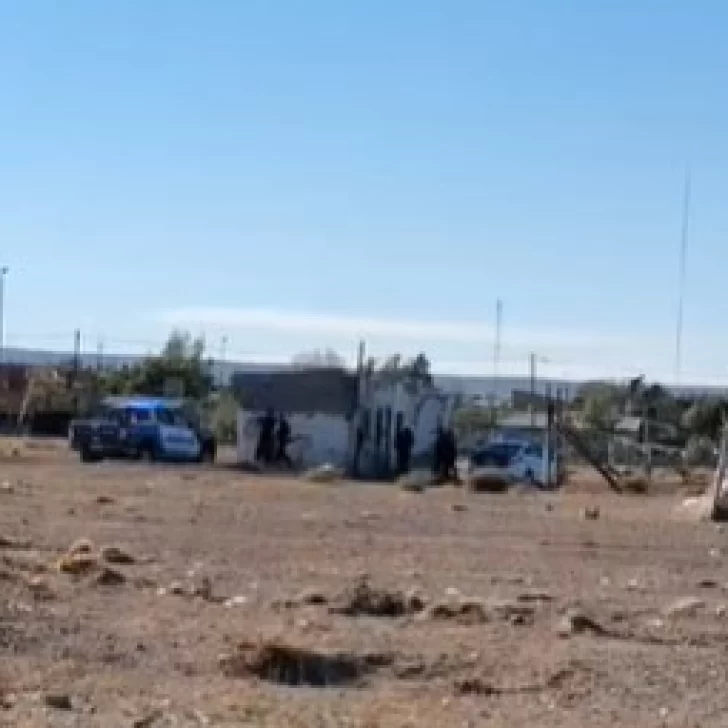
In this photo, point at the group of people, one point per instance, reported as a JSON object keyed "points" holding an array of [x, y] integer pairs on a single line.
{"points": [[274, 436], [444, 460], [273, 439]]}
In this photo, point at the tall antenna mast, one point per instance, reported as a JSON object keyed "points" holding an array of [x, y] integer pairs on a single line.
{"points": [[497, 346], [681, 280]]}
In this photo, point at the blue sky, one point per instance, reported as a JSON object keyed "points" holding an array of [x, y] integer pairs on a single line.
{"points": [[294, 175]]}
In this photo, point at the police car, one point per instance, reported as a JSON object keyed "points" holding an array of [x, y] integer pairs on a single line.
{"points": [[142, 428]]}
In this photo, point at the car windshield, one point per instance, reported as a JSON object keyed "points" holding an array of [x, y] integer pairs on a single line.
{"points": [[168, 416], [499, 455], [138, 415]]}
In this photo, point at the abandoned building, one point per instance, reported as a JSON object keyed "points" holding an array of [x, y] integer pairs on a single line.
{"points": [[339, 417]]}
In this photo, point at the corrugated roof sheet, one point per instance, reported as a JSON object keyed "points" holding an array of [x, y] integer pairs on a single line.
{"points": [[308, 391]]}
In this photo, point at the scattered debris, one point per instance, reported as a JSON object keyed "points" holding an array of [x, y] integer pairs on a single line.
{"points": [[365, 600], [637, 484], [204, 590], [591, 513], [117, 556], [81, 546], [480, 687], [530, 597], [178, 589], [236, 601], [416, 481], [476, 686], [77, 564], [58, 701], [576, 621], [459, 507], [326, 473], [707, 584], [310, 597], [148, 720], [40, 588], [298, 666], [105, 500], [110, 577], [8, 542], [494, 483], [686, 606], [465, 612]]}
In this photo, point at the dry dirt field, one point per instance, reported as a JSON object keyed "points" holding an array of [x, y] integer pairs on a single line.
{"points": [[251, 601]]}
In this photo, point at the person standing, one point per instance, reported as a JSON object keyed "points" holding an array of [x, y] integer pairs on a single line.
{"points": [[265, 448], [283, 439], [403, 443]]}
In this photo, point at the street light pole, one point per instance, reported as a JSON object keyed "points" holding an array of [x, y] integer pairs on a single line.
{"points": [[3, 272], [533, 359], [532, 377]]}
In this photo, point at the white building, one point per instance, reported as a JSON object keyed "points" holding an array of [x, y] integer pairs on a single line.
{"points": [[331, 410]]}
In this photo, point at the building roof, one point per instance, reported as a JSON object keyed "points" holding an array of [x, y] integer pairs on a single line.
{"points": [[141, 402], [308, 390], [524, 421]]}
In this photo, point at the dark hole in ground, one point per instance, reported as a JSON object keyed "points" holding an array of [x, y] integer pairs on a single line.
{"points": [[365, 600], [301, 667]]}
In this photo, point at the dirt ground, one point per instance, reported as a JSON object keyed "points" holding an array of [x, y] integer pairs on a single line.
{"points": [[246, 603]]}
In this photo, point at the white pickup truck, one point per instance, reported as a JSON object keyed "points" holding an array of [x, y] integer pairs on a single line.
{"points": [[512, 460]]}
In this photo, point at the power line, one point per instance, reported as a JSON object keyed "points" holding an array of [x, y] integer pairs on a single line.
{"points": [[681, 280]]}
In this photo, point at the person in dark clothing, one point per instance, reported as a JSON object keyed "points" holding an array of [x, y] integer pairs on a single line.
{"points": [[403, 444], [438, 453], [265, 448], [445, 457], [283, 437], [450, 456]]}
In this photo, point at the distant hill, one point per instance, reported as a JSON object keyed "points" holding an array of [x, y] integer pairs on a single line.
{"points": [[469, 387]]}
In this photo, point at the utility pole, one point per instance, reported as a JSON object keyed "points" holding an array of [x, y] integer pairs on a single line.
{"points": [[4, 270], [99, 355], [532, 377], [681, 280], [76, 354], [223, 353], [496, 353], [76, 367], [548, 456]]}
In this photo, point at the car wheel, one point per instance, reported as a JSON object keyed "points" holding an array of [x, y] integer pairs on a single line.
{"points": [[89, 457], [147, 454]]}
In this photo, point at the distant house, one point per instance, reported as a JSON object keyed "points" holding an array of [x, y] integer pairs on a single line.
{"points": [[337, 417], [659, 432], [319, 404]]}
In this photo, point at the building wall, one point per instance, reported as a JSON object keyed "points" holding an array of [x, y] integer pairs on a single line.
{"points": [[317, 438], [421, 411], [330, 438]]}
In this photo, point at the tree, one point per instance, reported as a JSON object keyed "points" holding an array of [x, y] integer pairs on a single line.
{"points": [[180, 366], [473, 420], [705, 417], [600, 403], [598, 411], [413, 373], [324, 358]]}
